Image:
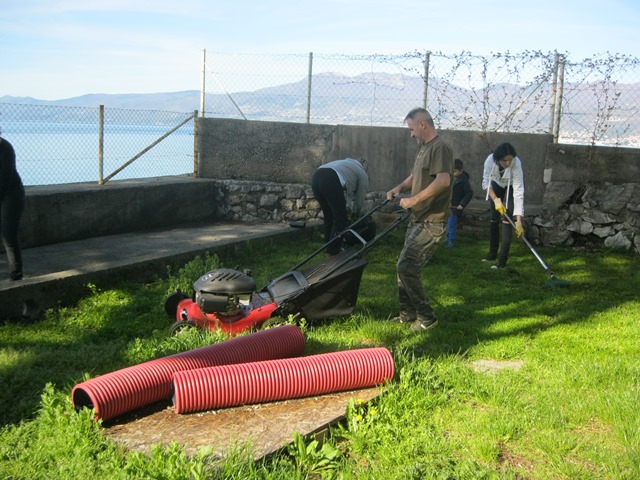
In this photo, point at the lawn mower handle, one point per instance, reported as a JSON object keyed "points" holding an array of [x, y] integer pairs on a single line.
{"points": [[368, 214], [367, 246], [341, 234]]}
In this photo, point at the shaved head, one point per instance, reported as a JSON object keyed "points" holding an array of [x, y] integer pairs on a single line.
{"points": [[420, 115]]}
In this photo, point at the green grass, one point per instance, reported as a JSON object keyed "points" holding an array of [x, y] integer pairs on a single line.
{"points": [[569, 411]]}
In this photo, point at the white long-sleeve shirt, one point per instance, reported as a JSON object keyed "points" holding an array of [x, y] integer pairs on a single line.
{"points": [[511, 177]]}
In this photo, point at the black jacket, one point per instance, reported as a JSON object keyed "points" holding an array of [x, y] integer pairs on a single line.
{"points": [[462, 192], [10, 181]]}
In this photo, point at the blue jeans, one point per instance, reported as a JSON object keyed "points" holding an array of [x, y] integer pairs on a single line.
{"points": [[420, 242], [452, 227]]}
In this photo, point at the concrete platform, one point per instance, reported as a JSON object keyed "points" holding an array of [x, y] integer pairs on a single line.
{"points": [[58, 274]]}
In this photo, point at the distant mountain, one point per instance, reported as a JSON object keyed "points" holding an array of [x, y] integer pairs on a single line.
{"points": [[184, 101], [383, 99], [371, 98]]}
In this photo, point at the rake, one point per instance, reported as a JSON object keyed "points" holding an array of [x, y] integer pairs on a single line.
{"points": [[554, 282]]}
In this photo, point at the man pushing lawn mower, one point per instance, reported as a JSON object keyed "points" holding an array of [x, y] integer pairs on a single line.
{"points": [[316, 288], [430, 184]]}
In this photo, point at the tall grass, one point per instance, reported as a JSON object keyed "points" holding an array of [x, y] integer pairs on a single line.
{"points": [[517, 381]]}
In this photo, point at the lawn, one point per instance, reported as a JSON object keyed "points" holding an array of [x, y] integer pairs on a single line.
{"points": [[518, 380]]}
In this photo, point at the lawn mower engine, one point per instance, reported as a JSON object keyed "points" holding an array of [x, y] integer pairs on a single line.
{"points": [[224, 299], [219, 291]]}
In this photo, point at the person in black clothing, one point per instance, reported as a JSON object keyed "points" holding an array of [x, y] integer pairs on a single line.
{"points": [[12, 203], [460, 198], [339, 187]]}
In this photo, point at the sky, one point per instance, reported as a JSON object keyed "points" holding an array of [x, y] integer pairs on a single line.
{"points": [[58, 49]]}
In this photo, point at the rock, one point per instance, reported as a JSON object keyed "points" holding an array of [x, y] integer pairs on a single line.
{"points": [[288, 205], [576, 209], [619, 240], [613, 198], [296, 215], [268, 200], [533, 234], [557, 194], [556, 237], [251, 209], [598, 217], [294, 192], [634, 206], [543, 222], [313, 204], [603, 232], [581, 227]]}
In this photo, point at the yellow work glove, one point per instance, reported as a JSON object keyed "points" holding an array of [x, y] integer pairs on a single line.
{"points": [[519, 229], [500, 208]]}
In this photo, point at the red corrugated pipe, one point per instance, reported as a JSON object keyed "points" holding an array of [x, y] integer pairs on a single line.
{"points": [[268, 381], [134, 387]]}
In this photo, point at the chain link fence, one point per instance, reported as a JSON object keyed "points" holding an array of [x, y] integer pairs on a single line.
{"points": [[592, 101], [59, 144]]}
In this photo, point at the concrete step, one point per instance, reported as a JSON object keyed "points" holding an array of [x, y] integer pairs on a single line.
{"points": [[59, 274]]}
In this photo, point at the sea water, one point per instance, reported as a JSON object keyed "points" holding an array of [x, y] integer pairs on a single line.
{"points": [[57, 153]]}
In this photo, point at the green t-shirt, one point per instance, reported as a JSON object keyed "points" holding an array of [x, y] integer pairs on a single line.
{"points": [[432, 158]]}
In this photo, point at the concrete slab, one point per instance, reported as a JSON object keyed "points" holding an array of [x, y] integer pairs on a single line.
{"points": [[58, 274], [266, 428]]}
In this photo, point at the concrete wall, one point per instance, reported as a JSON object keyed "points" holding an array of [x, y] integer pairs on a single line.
{"points": [[61, 213], [260, 171], [291, 152], [583, 164]]}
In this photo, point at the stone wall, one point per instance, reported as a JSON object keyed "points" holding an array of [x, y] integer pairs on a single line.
{"points": [[586, 214], [248, 201], [592, 198]]}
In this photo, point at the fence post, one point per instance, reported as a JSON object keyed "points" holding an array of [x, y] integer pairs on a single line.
{"points": [[427, 60], [310, 76], [554, 92], [556, 133], [195, 144], [203, 88], [100, 144]]}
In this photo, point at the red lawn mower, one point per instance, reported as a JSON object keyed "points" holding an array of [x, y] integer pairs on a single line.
{"points": [[227, 299]]}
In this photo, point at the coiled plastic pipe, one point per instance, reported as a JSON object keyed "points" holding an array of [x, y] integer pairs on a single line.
{"points": [[133, 387], [267, 381]]}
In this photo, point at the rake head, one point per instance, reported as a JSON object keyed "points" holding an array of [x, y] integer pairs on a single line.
{"points": [[554, 282]]}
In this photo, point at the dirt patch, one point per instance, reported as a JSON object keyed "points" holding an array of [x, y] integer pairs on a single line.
{"points": [[265, 427], [492, 366]]}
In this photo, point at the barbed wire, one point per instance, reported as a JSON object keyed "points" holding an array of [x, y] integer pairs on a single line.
{"points": [[591, 101]]}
